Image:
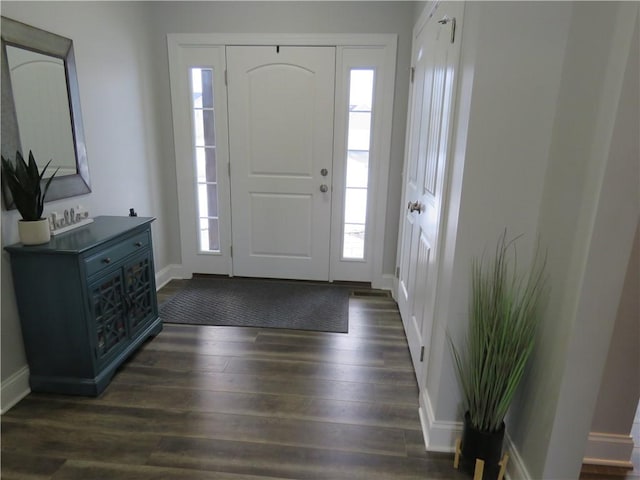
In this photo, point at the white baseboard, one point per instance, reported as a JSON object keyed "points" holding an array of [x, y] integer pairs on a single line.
{"points": [[169, 273], [439, 436], [516, 469], [14, 389], [385, 282], [613, 450]]}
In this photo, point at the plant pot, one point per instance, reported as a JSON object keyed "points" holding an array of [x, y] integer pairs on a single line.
{"points": [[34, 232], [484, 445]]}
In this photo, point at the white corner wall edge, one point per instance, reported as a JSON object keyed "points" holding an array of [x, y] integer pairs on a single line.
{"points": [[169, 273], [439, 436], [516, 469], [613, 450], [14, 389]]}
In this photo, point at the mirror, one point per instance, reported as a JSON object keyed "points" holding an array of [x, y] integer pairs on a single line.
{"points": [[41, 106]]}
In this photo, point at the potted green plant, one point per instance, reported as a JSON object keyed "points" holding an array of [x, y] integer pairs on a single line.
{"points": [[24, 182], [504, 314]]}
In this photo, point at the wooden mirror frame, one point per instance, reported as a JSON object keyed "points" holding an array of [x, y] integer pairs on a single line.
{"points": [[30, 38]]}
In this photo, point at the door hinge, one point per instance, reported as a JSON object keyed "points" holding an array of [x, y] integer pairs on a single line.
{"points": [[422, 353], [397, 272], [226, 79], [229, 169], [231, 251], [413, 74]]}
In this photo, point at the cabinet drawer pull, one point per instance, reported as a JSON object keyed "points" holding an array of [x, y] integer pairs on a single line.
{"points": [[138, 244], [106, 260]]}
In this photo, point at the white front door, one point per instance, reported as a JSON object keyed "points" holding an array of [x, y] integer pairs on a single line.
{"points": [[435, 61], [281, 142]]}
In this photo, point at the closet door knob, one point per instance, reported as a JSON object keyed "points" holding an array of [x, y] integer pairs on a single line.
{"points": [[415, 207]]}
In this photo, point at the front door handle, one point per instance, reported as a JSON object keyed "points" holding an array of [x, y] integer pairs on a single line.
{"points": [[324, 188]]}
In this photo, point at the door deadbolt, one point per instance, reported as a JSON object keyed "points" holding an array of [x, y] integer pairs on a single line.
{"points": [[324, 172], [324, 188]]}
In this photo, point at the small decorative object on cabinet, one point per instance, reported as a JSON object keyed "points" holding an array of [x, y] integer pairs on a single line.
{"points": [[86, 300]]}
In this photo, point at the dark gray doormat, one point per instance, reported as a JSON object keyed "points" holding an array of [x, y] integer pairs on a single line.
{"points": [[248, 302]]}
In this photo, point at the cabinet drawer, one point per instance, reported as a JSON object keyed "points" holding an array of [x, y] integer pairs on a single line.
{"points": [[113, 254]]}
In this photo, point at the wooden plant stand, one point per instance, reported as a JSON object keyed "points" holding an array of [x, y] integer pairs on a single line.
{"points": [[479, 467]]}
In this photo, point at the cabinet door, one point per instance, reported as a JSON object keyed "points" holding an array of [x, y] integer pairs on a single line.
{"points": [[109, 314], [140, 295]]}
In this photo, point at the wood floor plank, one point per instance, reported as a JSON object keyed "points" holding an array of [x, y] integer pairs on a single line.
{"points": [[293, 462], [264, 350], [327, 371], [82, 470], [28, 466], [282, 406], [414, 442], [205, 332], [178, 361], [55, 413], [253, 383], [340, 342], [68, 442]]}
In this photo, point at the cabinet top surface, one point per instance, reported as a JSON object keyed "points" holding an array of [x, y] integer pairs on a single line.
{"points": [[83, 238]]}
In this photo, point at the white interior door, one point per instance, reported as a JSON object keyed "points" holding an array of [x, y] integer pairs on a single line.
{"points": [[281, 141], [435, 60]]}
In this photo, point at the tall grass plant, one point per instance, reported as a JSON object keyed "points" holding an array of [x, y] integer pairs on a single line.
{"points": [[504, 313]]}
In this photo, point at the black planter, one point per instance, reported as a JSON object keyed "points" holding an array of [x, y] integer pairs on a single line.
{"points": [[486, 446]]}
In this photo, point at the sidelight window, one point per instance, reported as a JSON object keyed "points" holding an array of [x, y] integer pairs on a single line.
{"points": [[204, 143], [361, 83]]}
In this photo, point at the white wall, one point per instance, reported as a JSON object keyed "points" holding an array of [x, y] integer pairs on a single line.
{"points": [[536, 151]]}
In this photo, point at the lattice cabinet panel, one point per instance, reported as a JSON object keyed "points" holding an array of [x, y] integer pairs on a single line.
{"points": [[140, 298], [110, 314]]}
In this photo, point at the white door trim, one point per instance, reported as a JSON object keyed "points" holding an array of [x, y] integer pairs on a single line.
{"points": [[226, 39], [387, 42]]}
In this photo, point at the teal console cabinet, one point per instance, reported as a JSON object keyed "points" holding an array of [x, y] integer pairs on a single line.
{"points": [[86, 300]]}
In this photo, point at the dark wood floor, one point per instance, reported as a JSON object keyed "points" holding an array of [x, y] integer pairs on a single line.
{"points": [[239, 403]]}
